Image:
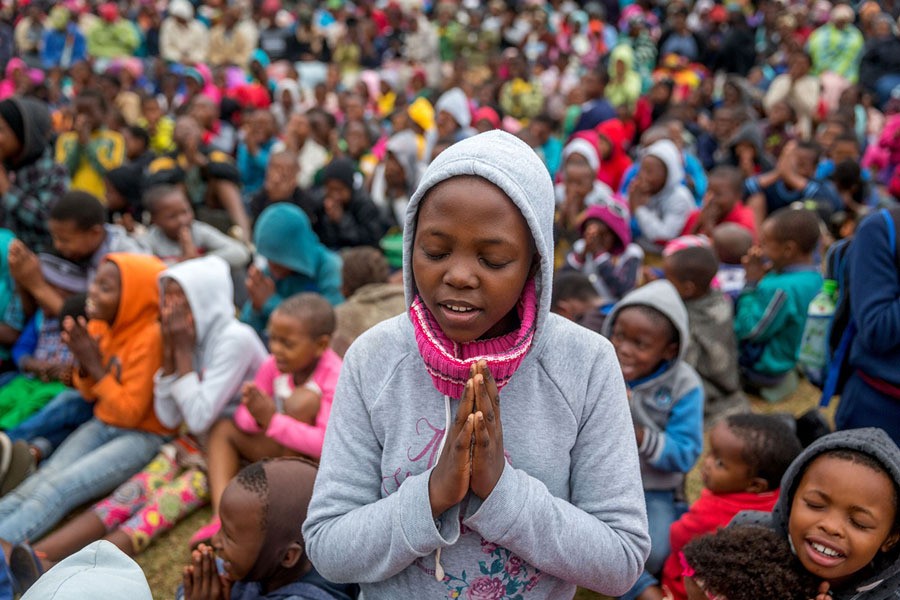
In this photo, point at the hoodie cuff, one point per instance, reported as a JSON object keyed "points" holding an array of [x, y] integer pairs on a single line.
{"points": [[186, 384], [423, 533], [500, 511], [652, 446]]}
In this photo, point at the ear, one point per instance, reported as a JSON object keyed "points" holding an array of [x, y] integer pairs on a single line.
{"points": [[690, 288], [792, 247], [322, 344], [758, 485], [891, 541], [292, 555]]}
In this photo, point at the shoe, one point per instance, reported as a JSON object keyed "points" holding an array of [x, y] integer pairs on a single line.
{"points": [[25, 566], [21, 465], [5, 454], [206, 533]]}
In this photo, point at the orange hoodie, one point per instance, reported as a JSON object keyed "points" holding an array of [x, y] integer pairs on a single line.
{"points": [[132, 347]]}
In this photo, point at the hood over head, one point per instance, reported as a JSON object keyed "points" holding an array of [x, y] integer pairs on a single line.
{"points": [[32, 127], [422, 113], [751, 134], [667, 152], [283, 235], [874, 442], [405, 148], [613, 131], [455, 102], [139, 295], [206, 283], [100, 570], [291, 87], [624, 53], [662, 296], [583, 147], [511, 165], [181, 9], [615, 216]]}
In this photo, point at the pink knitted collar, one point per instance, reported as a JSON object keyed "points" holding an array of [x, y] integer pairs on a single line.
{"points": [[448, 362]]}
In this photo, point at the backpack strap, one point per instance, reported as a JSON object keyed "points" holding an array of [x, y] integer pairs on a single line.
{"points": [[892, 220]]}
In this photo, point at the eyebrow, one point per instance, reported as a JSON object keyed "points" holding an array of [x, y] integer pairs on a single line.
{"points": [[483, 241]]}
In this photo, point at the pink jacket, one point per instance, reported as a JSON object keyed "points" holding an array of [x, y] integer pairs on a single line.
{"points": [[290, 433]]}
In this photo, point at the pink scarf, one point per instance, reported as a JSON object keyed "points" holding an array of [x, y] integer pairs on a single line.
{"points": [[448, 362]]}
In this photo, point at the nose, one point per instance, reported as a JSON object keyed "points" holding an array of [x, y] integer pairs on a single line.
{"points": [[830, 524], [460, 275]]}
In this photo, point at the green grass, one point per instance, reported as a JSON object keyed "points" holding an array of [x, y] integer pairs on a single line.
{"points": [[163, 561]]}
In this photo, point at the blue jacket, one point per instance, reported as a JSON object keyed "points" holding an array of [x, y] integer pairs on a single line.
{"points": [[55, 45]]}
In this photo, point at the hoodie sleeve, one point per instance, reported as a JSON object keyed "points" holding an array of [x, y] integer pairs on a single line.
{"points": [[875, 289], [677, 448], [199, 402], [761, 312], [347, 504], [218, 244], [598, 538], [668, 223]]}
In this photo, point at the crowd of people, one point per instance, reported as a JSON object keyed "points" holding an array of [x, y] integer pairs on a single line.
{"points": [[286, 258]]}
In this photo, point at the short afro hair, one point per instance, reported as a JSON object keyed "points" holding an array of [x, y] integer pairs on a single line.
{"points": [[732, 242], [81, 208], [363, 265], [770, 444], [572, 285], [748, 562], [311, 309], [732, 176], [155, 195], [799, 225], [253, 479], [696, 264]]}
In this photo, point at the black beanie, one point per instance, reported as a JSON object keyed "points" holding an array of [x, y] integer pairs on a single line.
{"points": [[10, 113], [341, 169]]}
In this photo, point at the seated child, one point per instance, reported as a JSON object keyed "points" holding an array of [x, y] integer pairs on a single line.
{"points": [[117, 353], [254, 149], [660, 203], [207, 356], [294, 261], [81, 235], [285, 411], [45, 363], [792, 180], [280, 185], [723, 203], [713, 348], [175, 235], [839, 511], [744, 563], [649, 330], [605, 252], [779, 127], [576, 299], [371, 299], [347, 217], [731, 243], [771, 311], [578, 190], [748, 455], [260, 552]]}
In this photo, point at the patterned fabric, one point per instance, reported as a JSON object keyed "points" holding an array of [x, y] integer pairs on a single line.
{"points": [[89, 163], [448, 363], [25, 208]]}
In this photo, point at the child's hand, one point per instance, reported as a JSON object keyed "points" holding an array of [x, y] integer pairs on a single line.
{"points": [[449, 482], [755, 265], [488, 459], [260, 405], [259, 287], [593, 241], [179, 325], [201, 578], [24, 265], [186, 242], [84, 348], [824, 591], [303, 405]]}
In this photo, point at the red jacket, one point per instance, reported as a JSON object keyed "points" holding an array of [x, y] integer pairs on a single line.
{"points": [[613, 167], [709, 513], [741, 215]]}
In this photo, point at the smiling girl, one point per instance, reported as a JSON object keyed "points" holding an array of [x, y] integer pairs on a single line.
{"points": [[451, 495]]}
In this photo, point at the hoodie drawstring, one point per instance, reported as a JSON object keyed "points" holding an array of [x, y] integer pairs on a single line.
{"points": [[438, 569]]}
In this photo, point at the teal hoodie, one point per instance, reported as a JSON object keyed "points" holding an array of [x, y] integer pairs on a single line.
{"points": [[283, 235]]}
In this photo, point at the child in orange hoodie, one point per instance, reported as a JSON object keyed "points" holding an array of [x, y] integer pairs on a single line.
{"points": [[117, 352]]}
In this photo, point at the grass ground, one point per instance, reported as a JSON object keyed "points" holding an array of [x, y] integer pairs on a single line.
{"points": [[162, 563]]}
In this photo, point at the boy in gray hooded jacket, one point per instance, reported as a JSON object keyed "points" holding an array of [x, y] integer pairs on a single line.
{"points": [[413, 502]]}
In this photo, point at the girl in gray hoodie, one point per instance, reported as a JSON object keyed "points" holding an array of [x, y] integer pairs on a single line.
{"points": [[426, 488]]}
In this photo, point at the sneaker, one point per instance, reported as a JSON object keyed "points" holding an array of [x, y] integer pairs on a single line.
{"points": [[25, 566], [21, 465]]}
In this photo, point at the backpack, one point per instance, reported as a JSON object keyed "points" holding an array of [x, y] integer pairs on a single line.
{"points": [[843, 327]]}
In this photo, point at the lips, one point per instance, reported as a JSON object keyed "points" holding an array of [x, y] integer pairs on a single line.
{"points": [[458, 313], [823, 553]]}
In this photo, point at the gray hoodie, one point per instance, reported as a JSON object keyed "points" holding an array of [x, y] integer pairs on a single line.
{"points": [[98, 571], [884, 581], [668, 404], [568, 508], [663, 218], [227, 352]]}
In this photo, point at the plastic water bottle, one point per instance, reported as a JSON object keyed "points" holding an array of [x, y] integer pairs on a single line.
{"points": [[814, 344]]}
